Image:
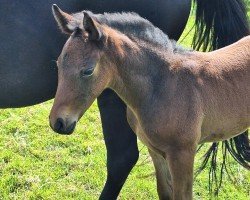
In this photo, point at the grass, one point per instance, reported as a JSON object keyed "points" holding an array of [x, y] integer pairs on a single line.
{"points": [[37, 164]]}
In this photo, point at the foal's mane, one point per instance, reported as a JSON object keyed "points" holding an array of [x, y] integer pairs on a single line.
{"points": [[134, 26]]}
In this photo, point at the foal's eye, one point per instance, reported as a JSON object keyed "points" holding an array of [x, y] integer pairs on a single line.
{"points": [[87, 72]]}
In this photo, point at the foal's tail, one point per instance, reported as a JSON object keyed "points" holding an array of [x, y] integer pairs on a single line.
{"points": [[220, 23]]}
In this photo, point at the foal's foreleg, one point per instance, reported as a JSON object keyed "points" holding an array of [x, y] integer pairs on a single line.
{"points": [[181, 162], [163, 176]]}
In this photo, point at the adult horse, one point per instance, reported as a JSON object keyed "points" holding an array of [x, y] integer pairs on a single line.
{"points": [[29, 48], [30, 43]]}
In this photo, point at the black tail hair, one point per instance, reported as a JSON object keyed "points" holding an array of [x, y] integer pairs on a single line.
{"points": [[238, 147], [218, 24]]}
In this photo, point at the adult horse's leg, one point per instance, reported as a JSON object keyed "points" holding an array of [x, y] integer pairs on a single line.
{"points": [[163, 176], [218, 24], [120, 140]]}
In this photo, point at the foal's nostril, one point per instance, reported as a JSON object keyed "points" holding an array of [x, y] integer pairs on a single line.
{"points": [[59, 125], [62, 127], [71, 128]]}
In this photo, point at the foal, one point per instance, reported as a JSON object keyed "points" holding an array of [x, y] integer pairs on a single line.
{"points": [[176, 98]]}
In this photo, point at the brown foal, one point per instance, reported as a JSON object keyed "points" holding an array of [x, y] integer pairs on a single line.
{"points": [[176, 99]]}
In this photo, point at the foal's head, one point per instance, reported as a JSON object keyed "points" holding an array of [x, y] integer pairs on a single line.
{"points": [[80, 77]]}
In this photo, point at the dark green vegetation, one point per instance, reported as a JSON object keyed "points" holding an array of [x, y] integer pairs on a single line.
{"points": [[36, 163]]}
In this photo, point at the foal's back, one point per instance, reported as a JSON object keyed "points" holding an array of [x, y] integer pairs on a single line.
{"points": [[237, 55]]}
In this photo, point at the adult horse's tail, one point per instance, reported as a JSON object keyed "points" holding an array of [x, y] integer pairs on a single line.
{"points": [[220, 23]]}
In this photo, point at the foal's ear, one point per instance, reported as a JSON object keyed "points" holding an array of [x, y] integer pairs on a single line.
{"points": [[91, 26], [65, 21]]}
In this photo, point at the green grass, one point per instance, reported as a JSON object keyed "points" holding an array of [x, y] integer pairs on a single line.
{"points": [[36, 163]]}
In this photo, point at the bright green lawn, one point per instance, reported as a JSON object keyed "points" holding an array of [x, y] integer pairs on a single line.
{"points": [[36, 163]]}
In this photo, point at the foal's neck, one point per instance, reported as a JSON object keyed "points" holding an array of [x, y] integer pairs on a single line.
{"points": [[137, 70]]}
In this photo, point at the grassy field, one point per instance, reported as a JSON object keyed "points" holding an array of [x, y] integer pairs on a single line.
{"points": [[36, 163]]}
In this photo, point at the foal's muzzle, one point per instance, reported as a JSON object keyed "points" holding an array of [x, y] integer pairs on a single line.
{"points": [[62, 127]]}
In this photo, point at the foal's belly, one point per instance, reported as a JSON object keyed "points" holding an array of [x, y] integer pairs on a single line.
{"points": [[226, 112], [219, 135], [220, 132]]}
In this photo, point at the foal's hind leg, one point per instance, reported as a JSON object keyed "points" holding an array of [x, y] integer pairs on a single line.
{"points": [[163, 176], [181, 161], [121, 143]]}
